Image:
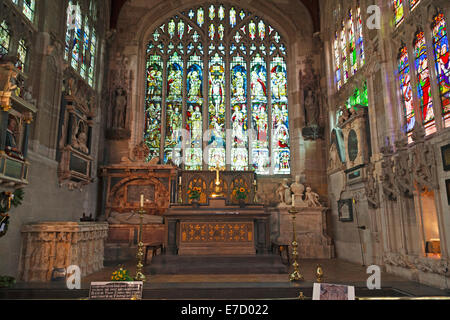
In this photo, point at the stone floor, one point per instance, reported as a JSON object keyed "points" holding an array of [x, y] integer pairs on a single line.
{"points": [[236, 286]]}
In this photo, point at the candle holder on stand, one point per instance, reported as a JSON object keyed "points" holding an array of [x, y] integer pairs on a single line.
{"points": [[140, 252], [295, 275]]}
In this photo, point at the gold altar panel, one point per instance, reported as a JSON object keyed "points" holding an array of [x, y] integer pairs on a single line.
{"points": [[228, 232]]}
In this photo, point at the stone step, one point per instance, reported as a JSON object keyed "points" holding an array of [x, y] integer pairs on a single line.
{"points": [[259, 264]]}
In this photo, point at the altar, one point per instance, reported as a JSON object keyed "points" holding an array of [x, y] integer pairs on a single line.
{"points": [[216, 228]]}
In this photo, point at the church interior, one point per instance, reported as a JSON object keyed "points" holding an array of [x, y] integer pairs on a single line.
{"points": [[224, 149]]}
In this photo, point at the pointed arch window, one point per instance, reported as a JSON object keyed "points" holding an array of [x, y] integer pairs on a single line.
{"points": [[424, 82], [441, 53], [230, 96], [81, 40]]}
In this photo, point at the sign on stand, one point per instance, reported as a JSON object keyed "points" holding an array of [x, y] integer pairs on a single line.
{"points": [[116, 290]]}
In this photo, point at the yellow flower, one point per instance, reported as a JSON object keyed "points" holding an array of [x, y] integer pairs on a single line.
{"points": [[242, 190]]}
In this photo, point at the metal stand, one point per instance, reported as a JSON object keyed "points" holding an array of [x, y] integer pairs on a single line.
{"points": [[295, 275], [140, 252]]}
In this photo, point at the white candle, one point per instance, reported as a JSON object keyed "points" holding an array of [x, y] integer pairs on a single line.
{"points": [[293, 200], [142, 200]]}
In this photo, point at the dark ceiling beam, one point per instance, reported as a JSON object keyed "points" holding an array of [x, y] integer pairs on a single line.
{"points": [[312, 6]]}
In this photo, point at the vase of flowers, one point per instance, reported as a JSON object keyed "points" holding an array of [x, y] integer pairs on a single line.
{"points": [[194, 195], [241, 194], [121, 275]]}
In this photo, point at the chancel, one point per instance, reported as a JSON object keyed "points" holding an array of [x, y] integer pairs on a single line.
{"points": [[261, 144]]}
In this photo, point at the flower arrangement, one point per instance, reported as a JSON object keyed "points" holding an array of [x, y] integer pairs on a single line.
{"points": [[194, 193], [121, 275], [240, 193]]}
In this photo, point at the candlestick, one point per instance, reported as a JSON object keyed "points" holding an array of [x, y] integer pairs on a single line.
{"points": [[295, 275], [140, 248]]}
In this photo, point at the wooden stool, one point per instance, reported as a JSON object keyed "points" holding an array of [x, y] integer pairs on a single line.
{"points": [[154, 247], [279, 249]]}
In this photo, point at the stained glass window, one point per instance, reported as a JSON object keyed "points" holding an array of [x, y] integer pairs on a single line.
{"points": [[344, 54], [348, 47], [174, 109], [194, 115], [223, 102], [217, 113], [81, 41], [280, 117], [239, 148], [414, 4], [424, 82], [398, 11], [337, 62], [440, 44], [5, 38], [352, 44], [406, 89], [153, 98], [22, 55], [360, 41], [260, 120], [28, 9]]}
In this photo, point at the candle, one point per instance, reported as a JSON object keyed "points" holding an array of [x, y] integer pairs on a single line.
{"points": [[293, 200], [142, 200]]}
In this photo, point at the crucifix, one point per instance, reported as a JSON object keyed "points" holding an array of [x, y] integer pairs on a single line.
{"points": [[217, 189]]}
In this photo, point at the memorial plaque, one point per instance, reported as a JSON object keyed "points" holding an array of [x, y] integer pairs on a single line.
{"points": [[352, 145], [134, 192], [116, 290]]}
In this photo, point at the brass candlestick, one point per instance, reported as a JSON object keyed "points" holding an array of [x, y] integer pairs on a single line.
{"points": [[140, 252], [295, 275], [319, 274]]}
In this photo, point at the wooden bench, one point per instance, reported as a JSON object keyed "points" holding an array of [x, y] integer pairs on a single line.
{"points": [[154, 247]]}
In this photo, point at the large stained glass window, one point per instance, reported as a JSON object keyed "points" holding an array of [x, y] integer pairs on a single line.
{"points": [[424, 82], [5, 38], [81, 40], [406, 90], [398, 11], [440, 44], [223, 103], [348, 47]]}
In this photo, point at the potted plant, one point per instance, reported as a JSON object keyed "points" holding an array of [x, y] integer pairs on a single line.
{"points": [[241, 194], [194, 194]]}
